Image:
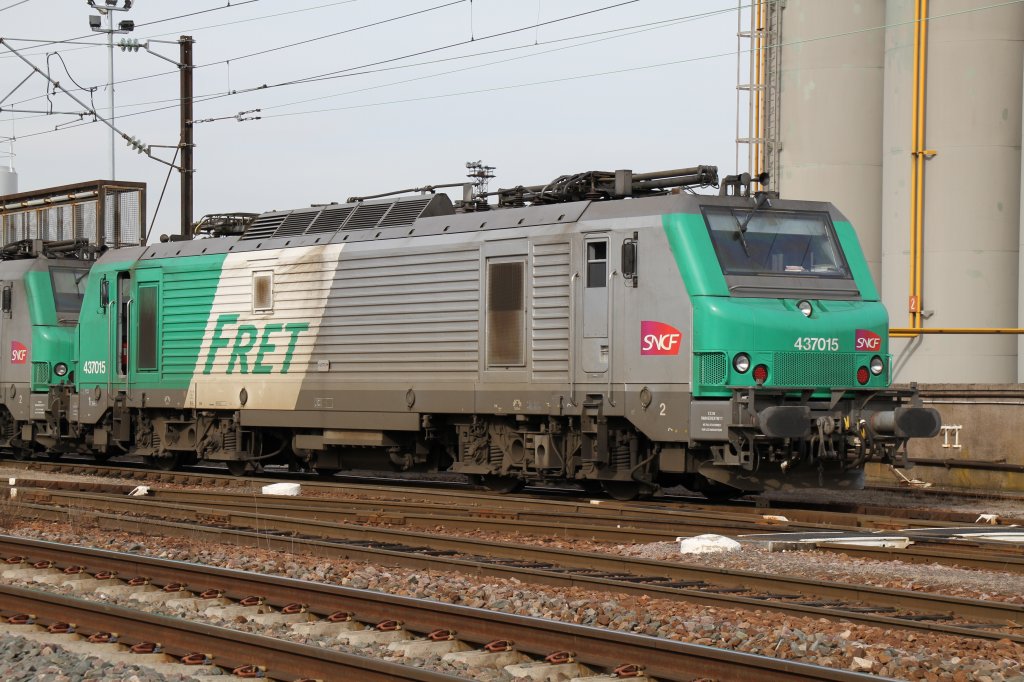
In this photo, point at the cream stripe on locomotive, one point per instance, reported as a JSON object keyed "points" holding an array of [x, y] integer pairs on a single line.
{"points": [[262, 328]]}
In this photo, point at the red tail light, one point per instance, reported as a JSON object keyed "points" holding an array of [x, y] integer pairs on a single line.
{"points": [[761, 374], [863, 375]]}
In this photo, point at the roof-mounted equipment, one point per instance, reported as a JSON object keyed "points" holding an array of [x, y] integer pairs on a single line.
{"points": [[223, 224], [601, 185], [67, 248]]}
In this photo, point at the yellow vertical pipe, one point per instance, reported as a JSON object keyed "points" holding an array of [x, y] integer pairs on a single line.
{"points": [[759, 83], [755, 92], [919, 160], [913, 161], [762, 93]]}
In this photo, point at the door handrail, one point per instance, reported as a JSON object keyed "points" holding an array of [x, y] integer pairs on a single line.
{"points": [[573, 341], [611, 330]]}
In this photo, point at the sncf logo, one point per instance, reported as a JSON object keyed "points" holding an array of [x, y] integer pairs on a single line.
{"points": [[868, 340], [19, 353], [658, 338]]}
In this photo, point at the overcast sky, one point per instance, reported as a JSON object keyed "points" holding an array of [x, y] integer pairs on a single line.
{"points": [[412, 99]]}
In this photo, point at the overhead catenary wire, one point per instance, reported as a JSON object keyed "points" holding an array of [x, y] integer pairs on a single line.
{"points": [[47, 42], [13, 5], [351, 71], [676, 62], [329, 74], [620, 31], [731, 53], [290, 45]]}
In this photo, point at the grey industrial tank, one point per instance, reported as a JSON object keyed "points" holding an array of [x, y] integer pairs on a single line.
{"points": [[1020, 300], [971, 217], [8, 181], [830, 128]]}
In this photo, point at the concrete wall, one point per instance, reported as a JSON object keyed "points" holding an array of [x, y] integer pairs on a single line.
{"points": [[831, 111], [980, 446], [972, 187]]}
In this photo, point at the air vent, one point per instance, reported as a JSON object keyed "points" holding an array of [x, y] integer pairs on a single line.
{"points": [[404, 212], [367, 215], [329, 220], [295, 224], [264, 226]]}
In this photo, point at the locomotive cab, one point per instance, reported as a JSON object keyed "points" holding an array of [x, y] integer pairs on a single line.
{"points": [[41, 288], [791, 369]]}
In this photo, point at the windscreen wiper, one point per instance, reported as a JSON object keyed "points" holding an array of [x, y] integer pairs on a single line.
{"points": [[741, 227]]}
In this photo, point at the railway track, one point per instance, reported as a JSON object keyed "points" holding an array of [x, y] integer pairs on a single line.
{"points": [[347, 614], [529, 563], [843, 514], [608, 522]]}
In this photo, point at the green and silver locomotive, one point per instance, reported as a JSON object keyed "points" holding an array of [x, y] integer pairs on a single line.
{"points": [[606, 328]]}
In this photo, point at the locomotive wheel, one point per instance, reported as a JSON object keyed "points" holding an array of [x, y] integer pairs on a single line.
{"points": [[296, 465], [719, 492], [621, 490], [21, 454], [169, 463], [237, 467], [499, 484]]}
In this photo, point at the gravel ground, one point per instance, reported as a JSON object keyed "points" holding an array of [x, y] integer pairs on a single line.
{"points": [[811, 564], [892, 653], [22, 660]]}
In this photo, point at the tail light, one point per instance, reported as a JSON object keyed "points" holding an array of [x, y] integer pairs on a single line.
{"points": [[863, 375], [761, 374]]}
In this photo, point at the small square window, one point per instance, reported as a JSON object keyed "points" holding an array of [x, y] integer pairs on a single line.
{"points": [[263, 292]]}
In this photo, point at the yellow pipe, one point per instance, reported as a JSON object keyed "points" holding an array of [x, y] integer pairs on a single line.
{"points": [[913, 162], [915, 331], [919, 160], [758, 124], [755, 72]]}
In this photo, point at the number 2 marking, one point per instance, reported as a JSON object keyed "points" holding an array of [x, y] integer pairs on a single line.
{"points": [[662, 413]]}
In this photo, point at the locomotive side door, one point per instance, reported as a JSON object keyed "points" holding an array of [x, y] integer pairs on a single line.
{"points": [[594, 344], [119, 309]]}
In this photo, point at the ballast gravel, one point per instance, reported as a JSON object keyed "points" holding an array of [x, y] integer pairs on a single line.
{"points": [[24, 660], [810, 564], [887, 652]]}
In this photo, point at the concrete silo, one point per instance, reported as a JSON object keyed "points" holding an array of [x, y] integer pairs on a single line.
{"points": [[970, 188], [830, 101], [8, 181]]}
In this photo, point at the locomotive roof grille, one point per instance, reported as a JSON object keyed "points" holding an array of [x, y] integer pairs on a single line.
{"points": [[363, 215], [330, 220], [367, 215], [264, 226], [295, 224], [404, 213]]}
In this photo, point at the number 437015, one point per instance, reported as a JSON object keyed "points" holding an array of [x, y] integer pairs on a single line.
{"points": [[816, 343]]}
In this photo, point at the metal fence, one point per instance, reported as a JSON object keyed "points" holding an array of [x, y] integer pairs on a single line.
{"points": [[111, 214]]}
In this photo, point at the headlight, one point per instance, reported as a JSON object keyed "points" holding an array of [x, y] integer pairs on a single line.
{"points": [[805, 308], [60, 369], [877, 365], [741, 362]]}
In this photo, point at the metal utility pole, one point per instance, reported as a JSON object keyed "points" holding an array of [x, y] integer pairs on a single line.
{"points": [[187, 167], [108, 8]]}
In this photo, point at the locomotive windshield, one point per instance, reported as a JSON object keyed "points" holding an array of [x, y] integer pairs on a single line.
{"points": [[68, 288], [770, 242]]}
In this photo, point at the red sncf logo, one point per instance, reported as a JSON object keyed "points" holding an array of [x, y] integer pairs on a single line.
{"points": [[868, 340], [658, 338], [19, 353]]}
